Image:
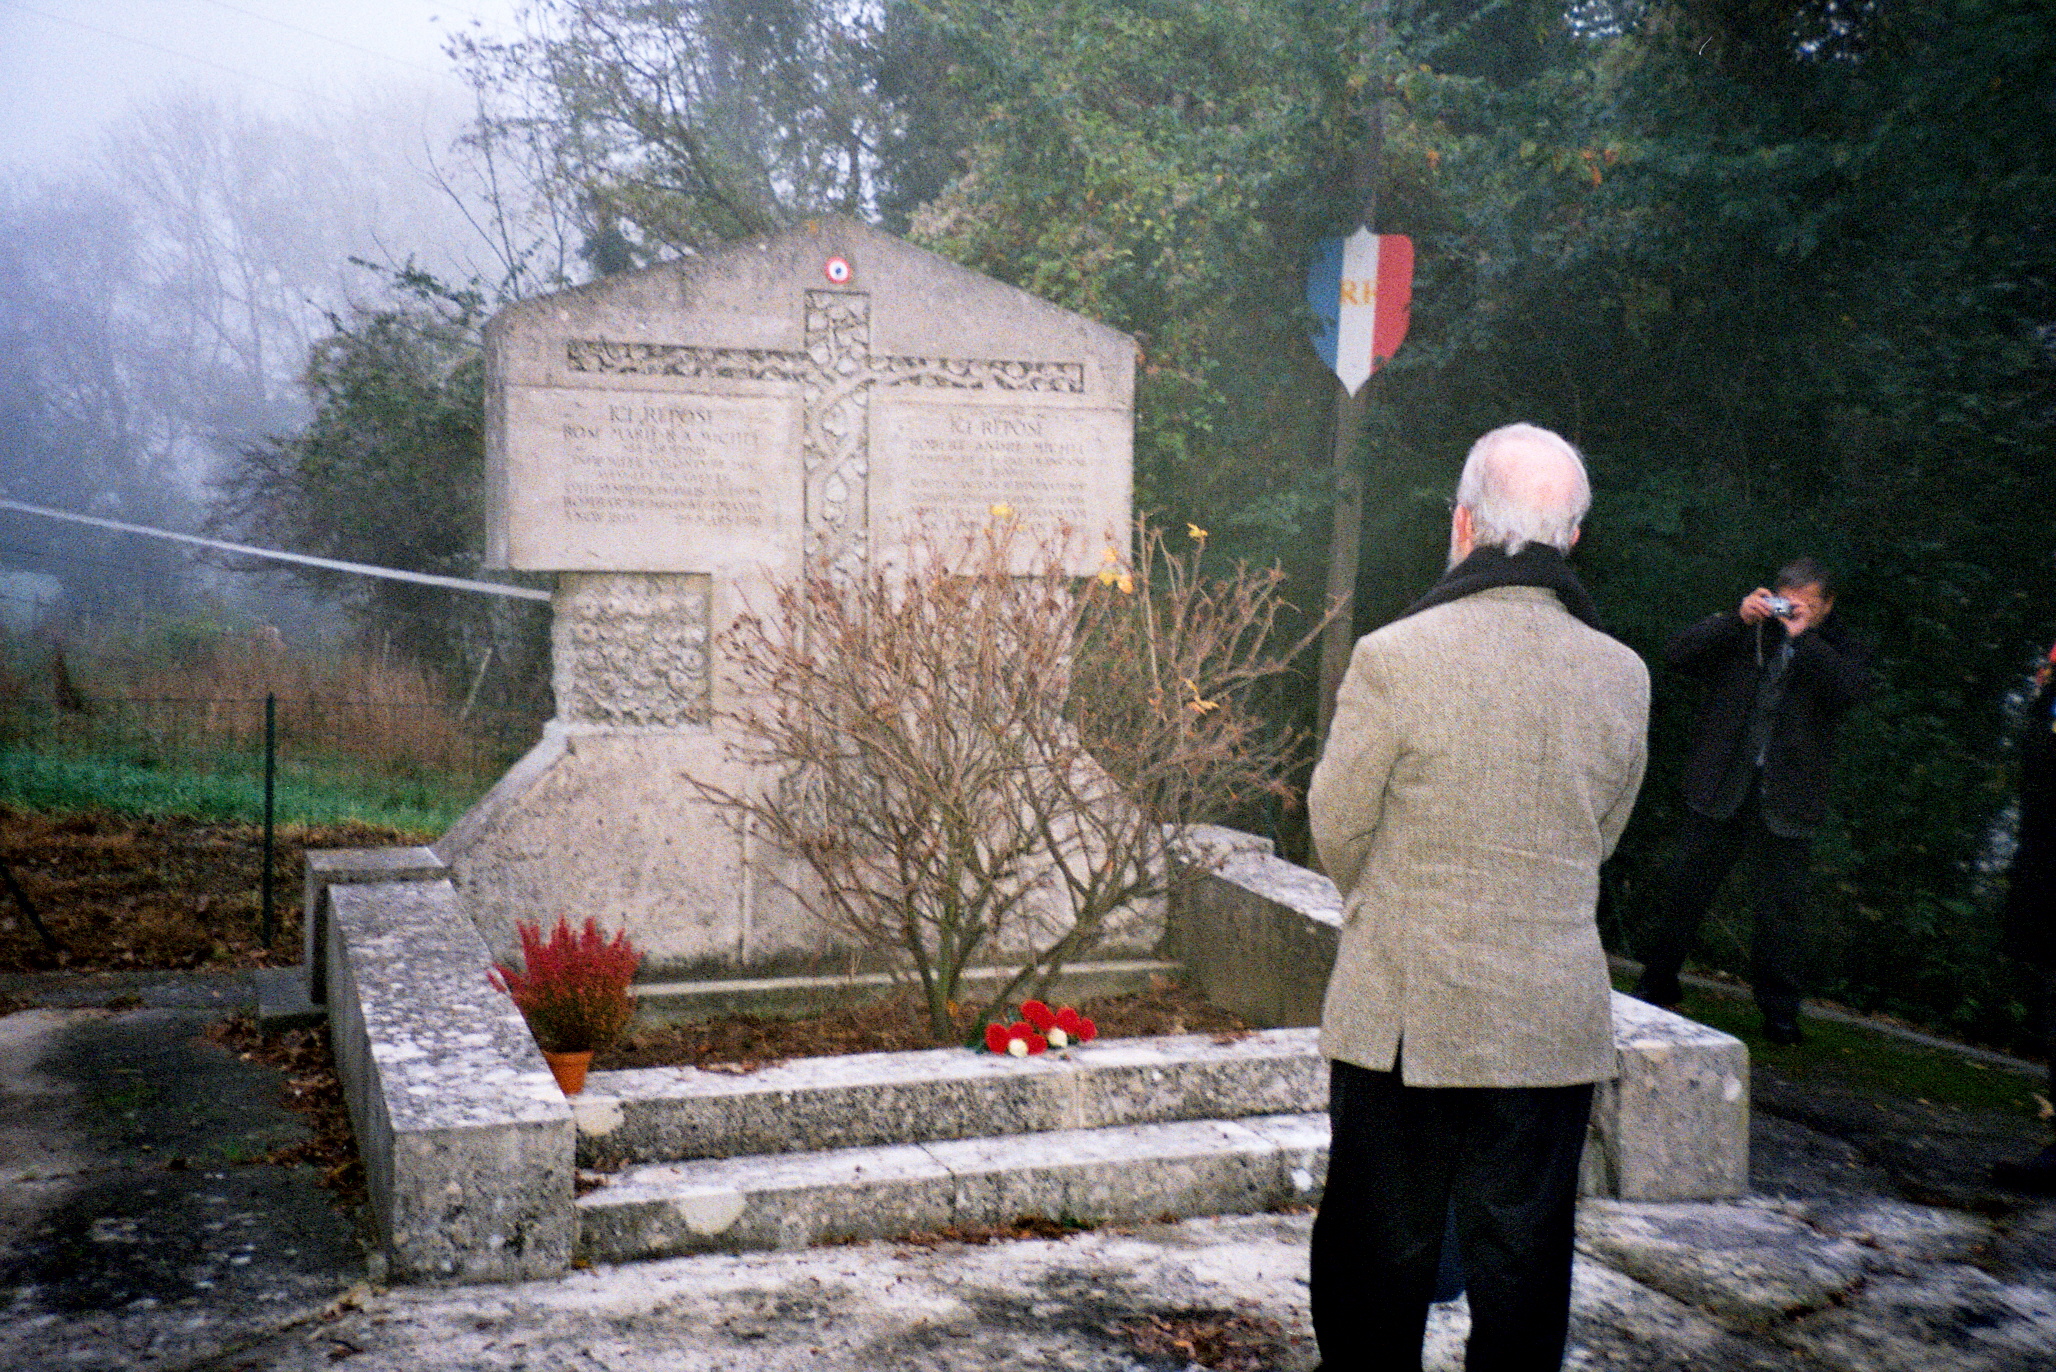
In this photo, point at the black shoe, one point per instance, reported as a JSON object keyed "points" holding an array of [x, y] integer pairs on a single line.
{"points": [[1783, 1032], [2037, 1175]]}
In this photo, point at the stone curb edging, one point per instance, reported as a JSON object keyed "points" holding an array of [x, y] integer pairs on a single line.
{"points": [[1133, 1173], [1258, 935], [466, 1140]]}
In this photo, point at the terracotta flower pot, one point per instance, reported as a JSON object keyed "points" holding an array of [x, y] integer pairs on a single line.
{"points": [[569, 1069]]}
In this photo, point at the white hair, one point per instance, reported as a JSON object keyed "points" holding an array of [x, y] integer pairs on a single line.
{"points": [[1524, 484]]}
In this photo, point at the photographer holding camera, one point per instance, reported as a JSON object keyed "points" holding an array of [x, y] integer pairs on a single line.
{"points": [[1779, 674]]}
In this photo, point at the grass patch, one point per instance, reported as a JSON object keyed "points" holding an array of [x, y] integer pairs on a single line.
{"points": [[304, 793], [1867, 1060]]}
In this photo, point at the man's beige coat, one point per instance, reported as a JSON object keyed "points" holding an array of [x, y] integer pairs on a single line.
{"points": [[1483, 759]]}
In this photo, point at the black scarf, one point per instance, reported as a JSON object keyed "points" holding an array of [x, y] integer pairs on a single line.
{"points": [[1537, 564]]}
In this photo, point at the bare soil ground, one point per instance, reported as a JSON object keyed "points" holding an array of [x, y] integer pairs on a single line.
{"points": [[121, 893], [745, 1042]]}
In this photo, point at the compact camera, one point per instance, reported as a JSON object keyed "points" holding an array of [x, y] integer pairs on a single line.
{"points": [[1781, 607]]}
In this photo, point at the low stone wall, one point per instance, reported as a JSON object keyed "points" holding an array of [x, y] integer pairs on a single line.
{"points": [[1257, 934], [328, 867], [467, 1142]]}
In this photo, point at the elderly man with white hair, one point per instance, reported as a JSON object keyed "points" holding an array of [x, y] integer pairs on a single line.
{"points": [[1485, 753]]}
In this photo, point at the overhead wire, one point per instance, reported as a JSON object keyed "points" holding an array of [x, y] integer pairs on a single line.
{"points": [[168, 52]]}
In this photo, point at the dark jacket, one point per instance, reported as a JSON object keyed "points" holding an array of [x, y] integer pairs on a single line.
{"points": [[2031, 889], [1828, 673]]}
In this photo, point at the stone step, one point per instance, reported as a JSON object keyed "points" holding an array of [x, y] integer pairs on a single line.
{"points": [[1128, 1173], [671, 1002], [664, 1114]]}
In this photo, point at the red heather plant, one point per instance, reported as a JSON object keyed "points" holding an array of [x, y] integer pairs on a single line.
{"points": [[574, 994]]}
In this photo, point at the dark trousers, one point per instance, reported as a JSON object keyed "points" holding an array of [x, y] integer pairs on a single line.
{"points": [[2045, 983], [1401, 1159], [1707, 850]]}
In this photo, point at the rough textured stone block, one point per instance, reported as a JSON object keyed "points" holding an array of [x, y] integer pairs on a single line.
{"points": [[282, 1000], [1199, 1076], [862, 1100], [466, 1140], [1195, 1167], [734, 1204], [867, 1099], [327, 867], [1257, 934], [1302, 1143], [1140, 1172], [1676, 1120]]}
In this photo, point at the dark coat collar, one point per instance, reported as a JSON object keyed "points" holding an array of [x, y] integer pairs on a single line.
{"points": [[1537, 564]]}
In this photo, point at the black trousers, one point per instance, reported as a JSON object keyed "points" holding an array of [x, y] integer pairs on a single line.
{"points": [[1708, 850], [1401, 1159]]}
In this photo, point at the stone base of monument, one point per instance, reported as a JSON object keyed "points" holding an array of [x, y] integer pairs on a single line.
{"points": [[471, 1151]]}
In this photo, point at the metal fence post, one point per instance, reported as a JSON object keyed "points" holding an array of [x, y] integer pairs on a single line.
{"points": [[270, 779]]}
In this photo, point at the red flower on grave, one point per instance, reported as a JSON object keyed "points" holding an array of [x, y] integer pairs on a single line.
{"points": [[1018, 1040], [1074, 1027], [1061, 1027]]}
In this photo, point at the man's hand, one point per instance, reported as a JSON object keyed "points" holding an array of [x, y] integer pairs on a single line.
{"points": [[1755, 607], [1810, 605]]}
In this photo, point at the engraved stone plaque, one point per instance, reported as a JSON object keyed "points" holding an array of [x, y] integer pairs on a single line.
{"points": [[747, 410], [949, 464], [629, 480]]}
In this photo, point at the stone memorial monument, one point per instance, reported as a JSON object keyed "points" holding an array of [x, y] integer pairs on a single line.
{"points": [[674, 441]]}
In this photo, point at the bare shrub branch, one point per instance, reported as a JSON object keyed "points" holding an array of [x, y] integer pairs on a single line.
{"points": [[976, 764]]}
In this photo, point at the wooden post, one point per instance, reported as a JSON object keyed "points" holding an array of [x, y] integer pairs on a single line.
{"points": [[1346, 530], [1345, 538], [267, 911]]}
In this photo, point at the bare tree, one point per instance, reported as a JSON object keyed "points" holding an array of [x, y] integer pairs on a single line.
{"points": [[693, 122], [973, 764]]}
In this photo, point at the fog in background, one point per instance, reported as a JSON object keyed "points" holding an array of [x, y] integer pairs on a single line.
{"points": [[183, 187]]}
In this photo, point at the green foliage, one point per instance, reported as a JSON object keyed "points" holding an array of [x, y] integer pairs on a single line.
{"points": [[391, 471], [1149, 166], [676, 126], [1784, 274], [230, 789]]}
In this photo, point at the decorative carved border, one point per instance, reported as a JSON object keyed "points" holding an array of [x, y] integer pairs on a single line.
{"points": [[633, 650]]}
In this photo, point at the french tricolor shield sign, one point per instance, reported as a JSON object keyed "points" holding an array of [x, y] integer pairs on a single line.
{"points": [[1361, 288]]}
